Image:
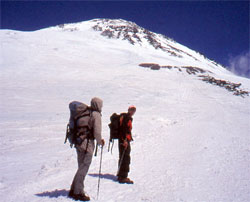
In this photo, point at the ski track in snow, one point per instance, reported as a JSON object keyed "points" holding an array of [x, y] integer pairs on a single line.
{"points": [[191, 138]]}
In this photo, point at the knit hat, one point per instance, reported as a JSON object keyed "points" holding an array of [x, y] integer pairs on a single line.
{"points": [[132, 107]]}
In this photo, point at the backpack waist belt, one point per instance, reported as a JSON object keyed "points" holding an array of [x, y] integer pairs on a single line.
{"points": [[87, 133]]}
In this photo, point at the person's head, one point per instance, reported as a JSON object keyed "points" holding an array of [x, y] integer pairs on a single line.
{"points": [[131, 110], [96, 104]]}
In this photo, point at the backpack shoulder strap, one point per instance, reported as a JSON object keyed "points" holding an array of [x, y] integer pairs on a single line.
{"points": [[83, 115], [123, 119]]}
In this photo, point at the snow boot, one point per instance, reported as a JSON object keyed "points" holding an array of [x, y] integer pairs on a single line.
{"points": [[78, 197], [81, 197], [71, 194], [126, 180]]}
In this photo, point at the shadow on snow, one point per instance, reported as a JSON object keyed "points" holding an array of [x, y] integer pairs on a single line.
{"points": [[104, 176], [63, 192], [54, 194]]}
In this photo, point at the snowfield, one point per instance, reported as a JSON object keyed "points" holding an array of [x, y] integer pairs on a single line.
{"points": [[191, 138]]}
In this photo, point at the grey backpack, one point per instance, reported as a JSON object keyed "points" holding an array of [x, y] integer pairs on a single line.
{"points": [[79, 123]]}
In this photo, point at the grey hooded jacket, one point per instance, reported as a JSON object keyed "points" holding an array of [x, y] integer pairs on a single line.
{"points": [[96, 124]]}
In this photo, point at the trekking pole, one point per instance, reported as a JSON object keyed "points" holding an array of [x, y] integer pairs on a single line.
{"points": [[112, 140], [99, 173], [123, 153], [112, 146], [109, 145], [67, 133], [96, 148]]}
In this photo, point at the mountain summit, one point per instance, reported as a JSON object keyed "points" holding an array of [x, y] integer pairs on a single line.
{"points": [[136, 35]]}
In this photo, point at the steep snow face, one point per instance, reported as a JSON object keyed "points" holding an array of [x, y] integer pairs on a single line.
{"points": [[138, 36], [191, 138]]}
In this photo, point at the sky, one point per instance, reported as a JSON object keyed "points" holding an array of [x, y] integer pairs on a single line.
{"points": [[217, 29]]}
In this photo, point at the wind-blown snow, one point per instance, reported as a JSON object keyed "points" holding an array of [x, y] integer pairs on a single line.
{"points": [[191, 139]]}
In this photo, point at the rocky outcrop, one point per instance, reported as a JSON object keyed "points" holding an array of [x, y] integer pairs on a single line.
{"points": [[152, 66], [233, 87], [230, 86], [134, 34], [188, 69], [193, 70]]}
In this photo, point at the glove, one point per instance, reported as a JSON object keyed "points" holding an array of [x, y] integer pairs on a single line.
{"points": [[102, 142], [129, 137], [125, 144]]}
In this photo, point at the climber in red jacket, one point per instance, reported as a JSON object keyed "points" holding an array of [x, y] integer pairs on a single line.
{"points": [[124, 145]]}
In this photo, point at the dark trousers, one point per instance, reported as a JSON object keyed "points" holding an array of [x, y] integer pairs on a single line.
{"points": [[124, 169]]}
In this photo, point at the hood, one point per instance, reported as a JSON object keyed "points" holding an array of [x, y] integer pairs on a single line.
{"points": [[96, 104]]}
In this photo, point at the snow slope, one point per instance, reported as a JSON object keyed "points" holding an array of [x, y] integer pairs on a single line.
{"points": [[191, 138]]}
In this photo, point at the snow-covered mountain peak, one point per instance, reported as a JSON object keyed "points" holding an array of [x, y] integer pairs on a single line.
{"points": [[120, 22], [119, 29], [134, 34]]}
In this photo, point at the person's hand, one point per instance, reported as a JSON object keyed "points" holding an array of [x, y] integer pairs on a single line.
{"points": [[102, 142], [125, 144]]}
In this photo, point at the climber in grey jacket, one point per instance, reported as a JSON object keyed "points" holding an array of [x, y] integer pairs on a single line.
{"points": [[86, 149]]}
